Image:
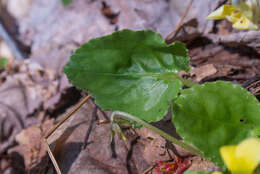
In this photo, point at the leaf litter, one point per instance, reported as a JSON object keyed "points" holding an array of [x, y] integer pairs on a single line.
{"points": [[37, 86]]}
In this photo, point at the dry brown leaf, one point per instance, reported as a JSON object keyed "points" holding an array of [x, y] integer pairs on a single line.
{"points": [[52, 47], [6, 52], [200, 164], [18, 8], [238, 39], [67, 143], [32, 147], [202, 72], [239, 65]]}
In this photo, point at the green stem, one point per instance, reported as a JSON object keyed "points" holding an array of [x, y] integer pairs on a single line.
{"points": [[174, 76], [187, 82], [160, 132]]}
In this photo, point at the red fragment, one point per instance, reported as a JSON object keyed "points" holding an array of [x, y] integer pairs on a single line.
{"points": [[178, 166]]}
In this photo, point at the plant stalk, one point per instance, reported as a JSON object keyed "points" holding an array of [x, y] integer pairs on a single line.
{"points": [[186, 82], [174, 76], [160, 132]]}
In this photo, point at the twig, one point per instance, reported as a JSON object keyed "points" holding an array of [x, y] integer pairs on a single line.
{"points": [[67, 117], [113, 148], [149, 169], [129, 154], [54, 162], [112, 143], [56, 166], [103, 112], [177, 28], [94, 117], [10, 42]]}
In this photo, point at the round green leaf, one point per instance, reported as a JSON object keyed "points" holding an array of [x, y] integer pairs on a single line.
{"points": [[130, 71], [216, 114]]}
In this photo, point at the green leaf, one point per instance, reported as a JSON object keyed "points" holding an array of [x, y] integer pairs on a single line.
{"points": [[66, 2], [130, 71], [216, 114], [3, 62]]}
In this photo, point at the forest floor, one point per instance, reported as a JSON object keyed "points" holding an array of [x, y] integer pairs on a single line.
{"points": [[35, 93]]}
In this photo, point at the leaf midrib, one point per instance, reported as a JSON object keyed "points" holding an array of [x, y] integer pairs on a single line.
{"points": [[173, 74]]}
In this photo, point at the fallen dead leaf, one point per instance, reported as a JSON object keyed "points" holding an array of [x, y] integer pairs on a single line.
{"points": [[200, 164], [239, 39], [6, 52], [202, 72], [18, 8], [52, 48], [230, 64], [67, 143], [32, 147]]}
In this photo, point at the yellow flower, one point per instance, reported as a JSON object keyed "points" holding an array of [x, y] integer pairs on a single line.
{"points": [[216, 172], [234, 15], [243, 158]]}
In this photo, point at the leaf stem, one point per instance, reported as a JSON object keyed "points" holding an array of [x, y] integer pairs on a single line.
{"points": [[175, 76], [160, 132], [186, 82]]}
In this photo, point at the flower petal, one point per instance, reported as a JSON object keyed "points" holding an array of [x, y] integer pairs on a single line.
{"points": [[234, 17], [249, 152], [222, 12], [228, 155], [243, 158], [216, 172], [244, 23]]}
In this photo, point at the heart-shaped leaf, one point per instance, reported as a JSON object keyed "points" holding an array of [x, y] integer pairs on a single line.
{"points": [[130, 71], [216, 114]]}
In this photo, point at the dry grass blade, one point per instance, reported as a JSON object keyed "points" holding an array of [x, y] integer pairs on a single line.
{"points": [[53, 160], [67, 116], [149, 169], [77, 107], [171, 36]]}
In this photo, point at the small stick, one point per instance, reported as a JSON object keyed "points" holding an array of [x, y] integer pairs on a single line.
{"points": [[130, 153], [149, 169], [67, 117], [177, 28], [94, 117], [103, 113], [113, 148], [54, 162]]}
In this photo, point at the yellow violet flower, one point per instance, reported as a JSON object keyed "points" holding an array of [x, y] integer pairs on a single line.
{"points": [[242, 158], [240, 19], [216, 172]]}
